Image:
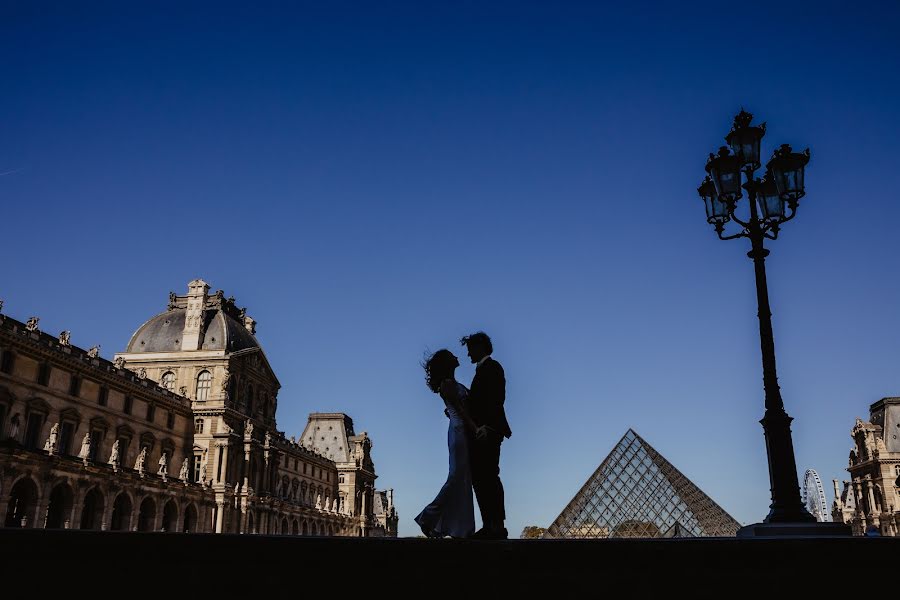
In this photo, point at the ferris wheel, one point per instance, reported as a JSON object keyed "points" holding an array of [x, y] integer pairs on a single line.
{"points": [[814, 496]]}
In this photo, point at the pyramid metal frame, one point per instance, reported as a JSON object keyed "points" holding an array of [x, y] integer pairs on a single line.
{"points": [[637, 493]]}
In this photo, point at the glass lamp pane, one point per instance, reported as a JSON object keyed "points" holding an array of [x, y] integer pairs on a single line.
{"points": [[770, 202], [729, 183], [720, 211], [772, 208], [708, 203]]}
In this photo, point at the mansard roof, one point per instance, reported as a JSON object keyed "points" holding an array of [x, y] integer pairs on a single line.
{"points": [[330, 435]]}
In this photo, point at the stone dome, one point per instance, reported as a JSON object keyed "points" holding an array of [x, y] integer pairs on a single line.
{"points": [[163, 333]]}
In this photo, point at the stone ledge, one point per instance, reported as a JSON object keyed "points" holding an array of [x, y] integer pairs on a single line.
{"points": [[720, 567]]}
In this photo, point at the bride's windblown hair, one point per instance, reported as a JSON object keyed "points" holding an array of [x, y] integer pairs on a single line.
{"points": [[438, 367]]}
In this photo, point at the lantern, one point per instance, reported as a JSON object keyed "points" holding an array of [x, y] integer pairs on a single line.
{"points": [[725, 171], [744, 140], [787, 169], [716, 210], [770, 202]]}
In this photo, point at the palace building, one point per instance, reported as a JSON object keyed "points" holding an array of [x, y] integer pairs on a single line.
{"points": [[178, 433], [871, 499]]}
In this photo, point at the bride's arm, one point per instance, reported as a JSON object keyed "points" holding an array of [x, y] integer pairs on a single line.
{"points": [[450, 395]]}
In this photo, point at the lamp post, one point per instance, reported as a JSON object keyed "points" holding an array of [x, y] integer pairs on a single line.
{"points": [[772, 201]]}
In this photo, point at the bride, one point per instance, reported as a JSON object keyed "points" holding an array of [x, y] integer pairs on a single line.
{"points": [[452, 511]]}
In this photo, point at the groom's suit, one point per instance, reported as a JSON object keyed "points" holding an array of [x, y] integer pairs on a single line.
{"points": [[486, 398]]}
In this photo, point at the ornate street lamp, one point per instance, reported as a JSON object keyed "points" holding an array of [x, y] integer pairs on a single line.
{"points": [[772, 201]]}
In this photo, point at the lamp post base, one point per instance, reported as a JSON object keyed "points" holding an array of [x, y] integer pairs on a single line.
{"points": [[795, 530]]}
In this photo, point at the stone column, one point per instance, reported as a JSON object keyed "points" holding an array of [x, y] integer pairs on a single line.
{"points": [[77, 508], [243, 518], [105, 519], [40, 515], [860, 505], [362, 515], [246, 466], [870, 494], [156, 525], [222, 456], [220, 512], [179, 520]]}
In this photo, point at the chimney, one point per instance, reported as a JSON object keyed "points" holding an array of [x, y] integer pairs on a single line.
{"points": [[192, 336]]}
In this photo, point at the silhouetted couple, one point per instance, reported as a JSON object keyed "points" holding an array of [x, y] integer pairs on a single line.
{"points": [[477, 428]]}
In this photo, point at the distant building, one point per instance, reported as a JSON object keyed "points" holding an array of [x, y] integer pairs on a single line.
{"points": [[386, 515], [844, 506], [178, 433], [871, 497]]}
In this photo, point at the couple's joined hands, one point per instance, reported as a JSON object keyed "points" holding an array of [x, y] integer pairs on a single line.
{"points": [[480, 432]]}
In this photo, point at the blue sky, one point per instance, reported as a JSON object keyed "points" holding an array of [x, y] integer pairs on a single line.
{"points": [[375, 180]]}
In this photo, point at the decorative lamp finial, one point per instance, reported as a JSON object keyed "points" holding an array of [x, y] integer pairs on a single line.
{"points": [[742, 119]]}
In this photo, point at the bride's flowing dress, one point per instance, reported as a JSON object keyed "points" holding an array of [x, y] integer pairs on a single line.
{"points": [[452, 512]]}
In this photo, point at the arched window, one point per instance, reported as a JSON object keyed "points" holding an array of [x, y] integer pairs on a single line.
{"points": [[204, 381], [60, 507], [92, 511], [168, 380], [170, 517], [190, 519]]}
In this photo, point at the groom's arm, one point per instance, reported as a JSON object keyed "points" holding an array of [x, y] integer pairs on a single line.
{"points": [[494, 394], [495, 391]]}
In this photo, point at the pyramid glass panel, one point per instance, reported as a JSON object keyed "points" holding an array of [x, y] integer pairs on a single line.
{"points": [[643, 496]]}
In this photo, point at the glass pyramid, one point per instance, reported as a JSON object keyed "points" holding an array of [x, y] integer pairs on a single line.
{"points": [[636, 493]]}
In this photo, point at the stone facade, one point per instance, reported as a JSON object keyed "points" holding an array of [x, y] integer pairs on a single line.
{"points": [[177, 433], [871, 499]]}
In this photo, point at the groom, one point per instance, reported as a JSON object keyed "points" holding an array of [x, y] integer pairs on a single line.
{"points": [[485, 404]]}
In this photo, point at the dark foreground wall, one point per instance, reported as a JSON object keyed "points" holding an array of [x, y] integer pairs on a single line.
{"points": [[141, 564]]}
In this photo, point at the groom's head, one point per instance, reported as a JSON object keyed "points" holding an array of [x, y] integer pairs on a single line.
{"points": [[478, 345]]}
